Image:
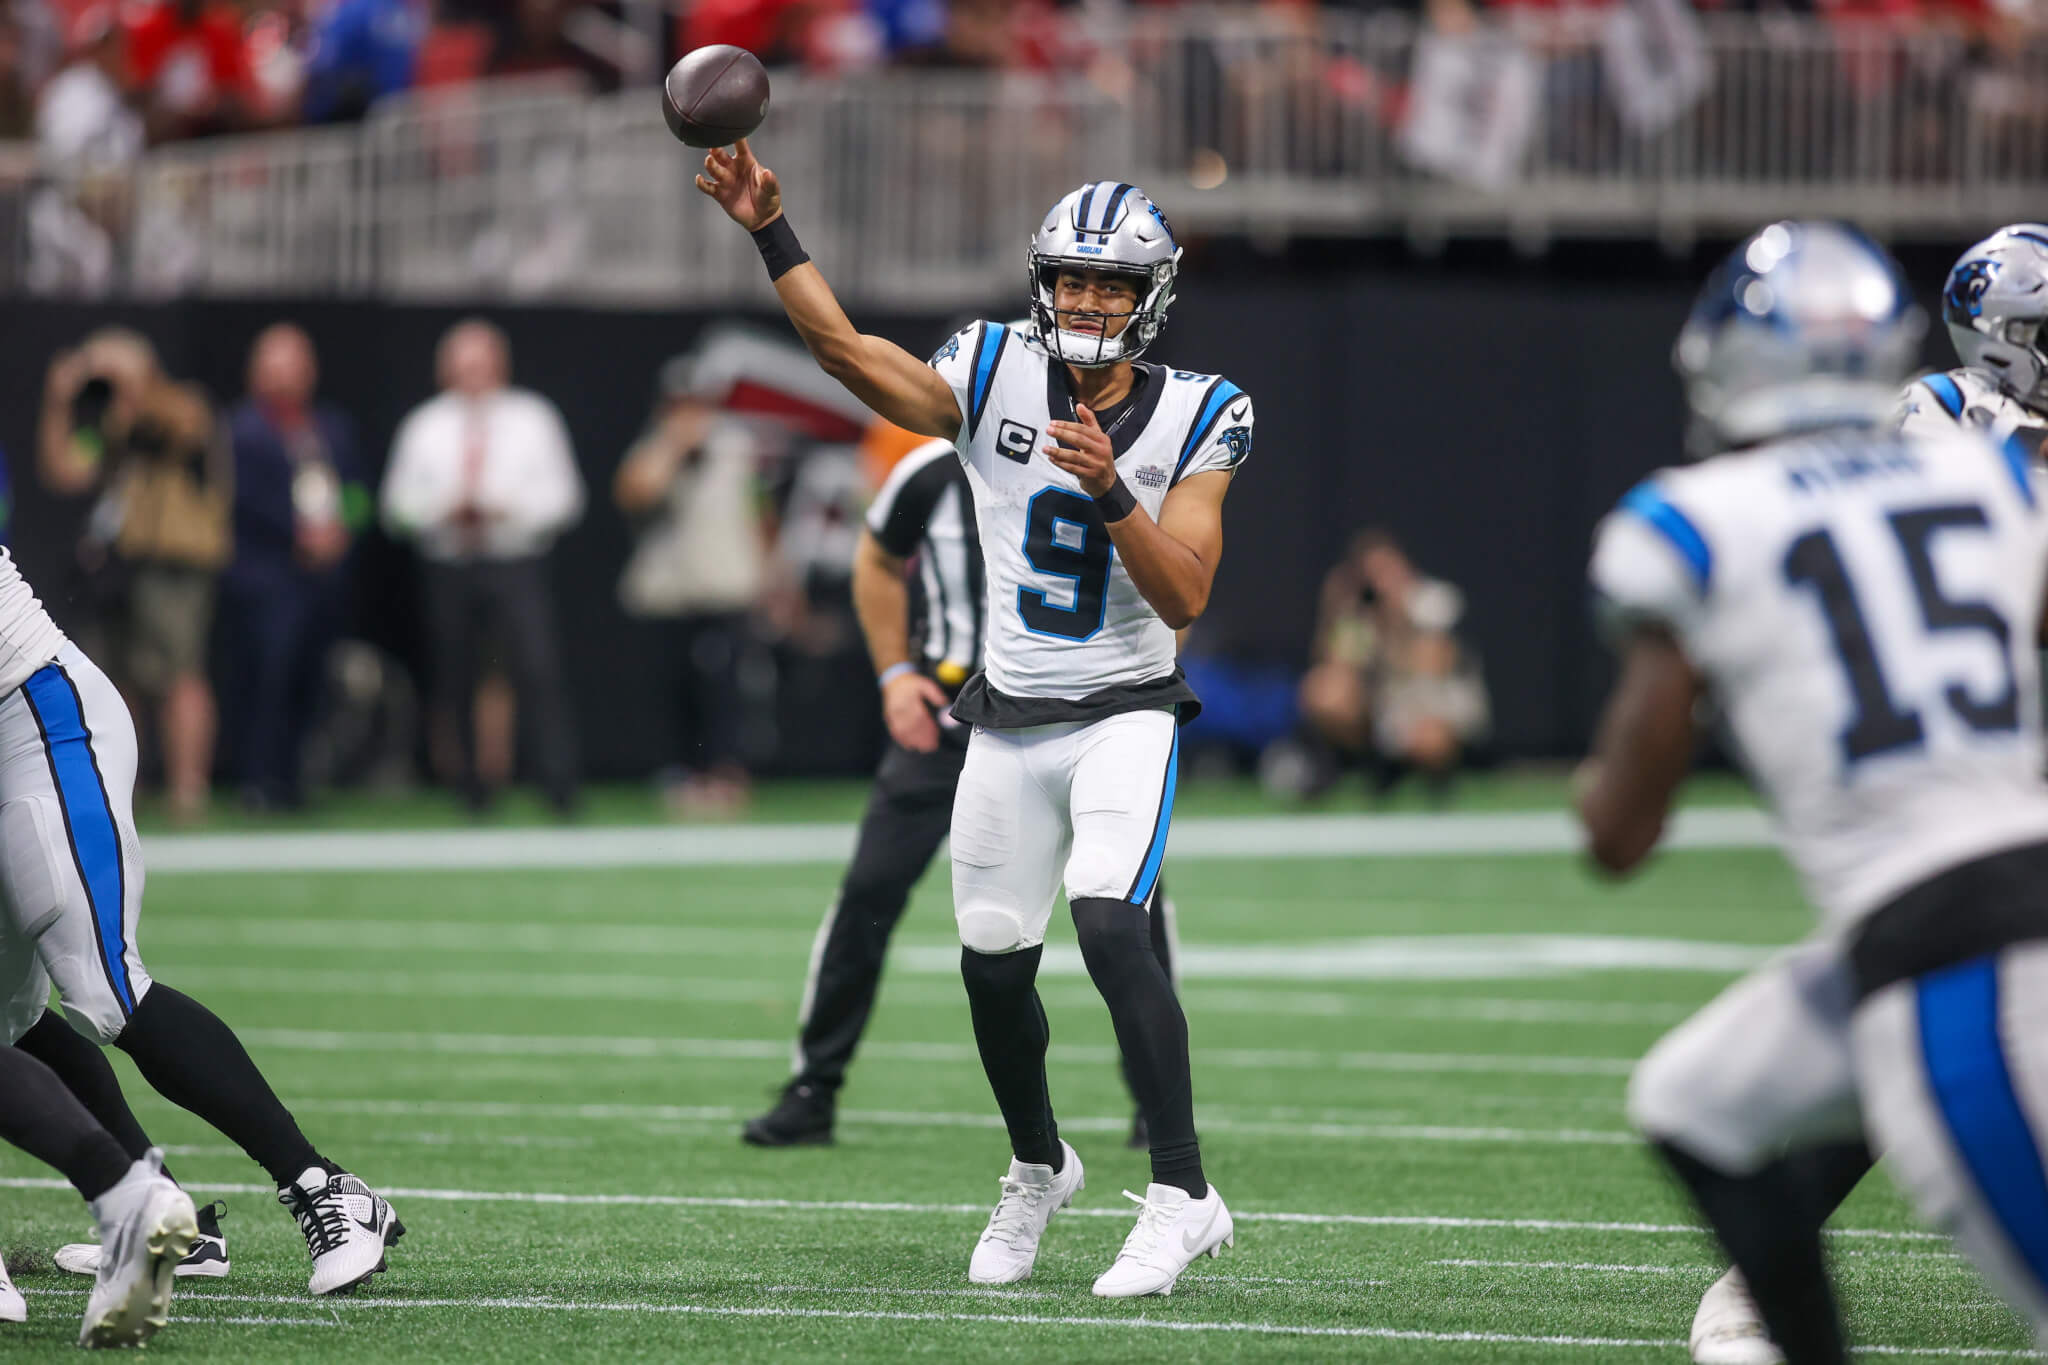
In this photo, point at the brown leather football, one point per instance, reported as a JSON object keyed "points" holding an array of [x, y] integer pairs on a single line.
{"points": [[715, 95]]}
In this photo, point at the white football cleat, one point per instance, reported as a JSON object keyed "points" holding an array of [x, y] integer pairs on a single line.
{"points": [[208, 1257], [1031, 1196], [13, 1307], [1173, 1230], [147, 1224], [1728, 1330], [347, 1226]]}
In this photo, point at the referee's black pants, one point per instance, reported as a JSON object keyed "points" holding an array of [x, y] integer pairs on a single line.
{"points": [[909, 811]]}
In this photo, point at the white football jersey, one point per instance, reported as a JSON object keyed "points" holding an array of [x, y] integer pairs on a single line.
{"points": [[1863, 608], [1067, 629], [1938, 403], [28, 637]]}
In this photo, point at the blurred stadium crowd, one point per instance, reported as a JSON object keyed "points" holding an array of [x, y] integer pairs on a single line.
{"points": [[98, 80]]}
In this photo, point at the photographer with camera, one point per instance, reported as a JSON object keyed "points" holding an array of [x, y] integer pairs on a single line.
{"points": [[146, 450], [1393, 686]]}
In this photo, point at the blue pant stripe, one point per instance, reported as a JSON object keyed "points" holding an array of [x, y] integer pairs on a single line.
{"points": [[1148, 875], [1972, 1085], [88, 816]]}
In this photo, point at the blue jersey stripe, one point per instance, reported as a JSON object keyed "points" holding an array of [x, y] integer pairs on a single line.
{"points": [[1972, 1086], [1155, 857], [1946, 392], [88, 817], [1218, 398], [1647, 501], [988, 350], [2019, 461]]}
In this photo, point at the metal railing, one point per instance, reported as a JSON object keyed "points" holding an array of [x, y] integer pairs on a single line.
{"points": [[919, 189]]}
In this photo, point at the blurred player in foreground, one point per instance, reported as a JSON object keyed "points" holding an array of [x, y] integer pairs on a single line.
{"points": [[70, 902], [1995, 304], [1098, 488], [918, 587], [148, 1220], [1862, 608]]}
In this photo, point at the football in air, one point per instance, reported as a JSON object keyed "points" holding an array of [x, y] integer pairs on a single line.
{"points": [[715, 95]]}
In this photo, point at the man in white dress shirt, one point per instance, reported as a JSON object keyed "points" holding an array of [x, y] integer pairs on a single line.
{"points": [[482, 477]]}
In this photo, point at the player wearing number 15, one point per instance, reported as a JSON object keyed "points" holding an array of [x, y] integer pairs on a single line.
{"points": [[1098, 484], [1862, 607]]}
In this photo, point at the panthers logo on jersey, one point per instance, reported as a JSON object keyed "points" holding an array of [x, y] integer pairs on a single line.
{"points": [[1965, 293], [1238, 441], [947, 351]]}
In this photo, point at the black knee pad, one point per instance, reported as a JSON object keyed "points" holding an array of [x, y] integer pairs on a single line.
{"points": [[1000, 973], [1109, 931]]}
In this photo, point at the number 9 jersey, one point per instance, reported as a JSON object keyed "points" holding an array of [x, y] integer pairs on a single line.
{"points": [[1070, 637], [1863, 609]]}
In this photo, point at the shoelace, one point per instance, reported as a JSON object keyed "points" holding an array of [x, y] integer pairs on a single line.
{"points": [[1150, 1234], [1015, 1209], [320, 1218]]}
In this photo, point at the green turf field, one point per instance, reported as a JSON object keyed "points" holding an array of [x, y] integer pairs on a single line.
{"points": [[1408, 1070]]}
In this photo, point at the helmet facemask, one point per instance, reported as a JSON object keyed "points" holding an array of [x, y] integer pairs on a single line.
{"points": [[1090, 350]]}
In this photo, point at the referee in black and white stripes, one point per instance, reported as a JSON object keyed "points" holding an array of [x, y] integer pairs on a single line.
{"points": [[917, 587]]}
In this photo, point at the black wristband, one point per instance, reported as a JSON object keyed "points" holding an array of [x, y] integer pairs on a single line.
{"points": [[1118, 502], [781, 252]]}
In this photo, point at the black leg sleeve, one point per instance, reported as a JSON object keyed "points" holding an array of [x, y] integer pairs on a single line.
{"points": [[1830, 1173], [40, 1116], [1012, 1033], [907, 816], [1159, 916], [1770, 1225], [1151, 1031], [195, 1061], [83, 1068]]}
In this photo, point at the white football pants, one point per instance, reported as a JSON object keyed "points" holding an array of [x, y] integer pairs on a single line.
{"points": [[70, 864], [1947, 1075], [1085, 804]]}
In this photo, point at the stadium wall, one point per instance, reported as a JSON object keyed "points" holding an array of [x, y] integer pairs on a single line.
{"points": [[1487, 421]]}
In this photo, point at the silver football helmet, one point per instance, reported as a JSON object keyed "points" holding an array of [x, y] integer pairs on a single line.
{"points": [[1995, 304], [1111, 227], [1806, 325]]}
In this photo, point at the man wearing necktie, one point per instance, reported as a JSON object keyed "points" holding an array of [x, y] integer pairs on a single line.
{"points": [[482, 478]]}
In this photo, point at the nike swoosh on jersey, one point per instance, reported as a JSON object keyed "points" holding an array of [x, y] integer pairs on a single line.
{"points": [[1237, 413]]}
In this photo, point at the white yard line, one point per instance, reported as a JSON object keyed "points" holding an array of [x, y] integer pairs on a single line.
{"points": [[1195, 839], [777, 1049], [885, 1291], [891, 1118], [1397, 959], [1121, 1212], [1583, 1265], [1010, 1320], [1393, 956]]}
